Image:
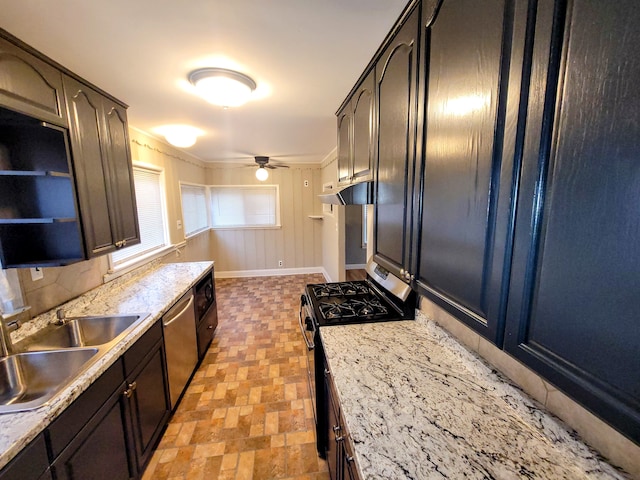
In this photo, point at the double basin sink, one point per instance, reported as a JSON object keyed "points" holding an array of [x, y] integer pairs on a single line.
{"points": [[54, 357]]}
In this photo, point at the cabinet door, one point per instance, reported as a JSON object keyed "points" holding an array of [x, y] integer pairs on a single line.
{"points": [[30, 86], [573, 309], [93, 176], [396, 81], [363, 129], [102, 449], [149, 401], [344, 145], [30, 464], [121, 174], [333, 447], [465, 179]]}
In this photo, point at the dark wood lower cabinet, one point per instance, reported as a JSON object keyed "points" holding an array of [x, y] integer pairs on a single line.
{"points": [[110, 431], [102, 448], [30, 464], [339, 451], [147, 394]]}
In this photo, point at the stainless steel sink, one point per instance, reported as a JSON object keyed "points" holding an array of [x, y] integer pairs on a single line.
{"points": [[30, 380], [79, 332]]}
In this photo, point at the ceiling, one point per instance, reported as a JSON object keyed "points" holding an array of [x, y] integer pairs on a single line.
{"points": [[305, 55]]}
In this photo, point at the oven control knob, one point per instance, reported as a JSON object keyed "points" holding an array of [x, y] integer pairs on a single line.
{"points": [[308, 324], [303, 299]]}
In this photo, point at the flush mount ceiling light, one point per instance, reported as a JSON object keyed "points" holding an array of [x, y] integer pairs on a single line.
{"points": [[181, 136], [226, 88], [262, 173]]}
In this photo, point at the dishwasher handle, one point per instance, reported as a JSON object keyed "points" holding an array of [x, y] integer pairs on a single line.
{"points": [[169, 318]]}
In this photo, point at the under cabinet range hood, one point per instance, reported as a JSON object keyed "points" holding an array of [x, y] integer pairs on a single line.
{"points": [[355, 194]]}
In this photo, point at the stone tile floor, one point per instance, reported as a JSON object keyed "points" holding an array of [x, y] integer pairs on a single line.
{"points": [[247, 412]]}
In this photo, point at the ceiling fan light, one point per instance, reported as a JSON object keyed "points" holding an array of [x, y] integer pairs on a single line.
{"points": [[219, 86], [262, 173]]}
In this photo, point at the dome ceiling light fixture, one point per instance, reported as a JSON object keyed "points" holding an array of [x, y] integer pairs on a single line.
{"points": [[181, 136], [223, 87]]}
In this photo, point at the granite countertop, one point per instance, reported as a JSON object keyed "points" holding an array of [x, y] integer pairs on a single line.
{"points": [[152, 289], [419, 405]]}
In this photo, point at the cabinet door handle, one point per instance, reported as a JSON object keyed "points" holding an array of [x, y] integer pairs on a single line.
{"points": [[130, 389], [210, 327], [336, 428], [124, 243], [349, 459], [339, 439]]}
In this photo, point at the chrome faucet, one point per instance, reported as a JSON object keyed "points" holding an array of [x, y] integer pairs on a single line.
{"points": [[61, 316], [6, 345]]}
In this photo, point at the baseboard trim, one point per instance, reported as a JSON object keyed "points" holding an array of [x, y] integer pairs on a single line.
{"points": [[355, 266], [272, 272]]}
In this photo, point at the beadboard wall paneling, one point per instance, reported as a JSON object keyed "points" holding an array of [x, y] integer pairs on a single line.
{"points": [[298, 242]]}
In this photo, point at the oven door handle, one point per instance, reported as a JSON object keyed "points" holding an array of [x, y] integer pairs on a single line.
{"points": [[310, 346]]}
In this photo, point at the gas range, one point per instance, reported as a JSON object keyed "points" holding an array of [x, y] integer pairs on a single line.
{"points": [[381, 297]]}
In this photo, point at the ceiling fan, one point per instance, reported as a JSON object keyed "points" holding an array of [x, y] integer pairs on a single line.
{"points": [[263, 163]]}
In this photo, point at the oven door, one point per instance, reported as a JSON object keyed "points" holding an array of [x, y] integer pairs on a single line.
{"points": [[309, 328]]}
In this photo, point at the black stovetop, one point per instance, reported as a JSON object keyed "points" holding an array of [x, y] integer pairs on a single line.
{"points": [[359, 301]]}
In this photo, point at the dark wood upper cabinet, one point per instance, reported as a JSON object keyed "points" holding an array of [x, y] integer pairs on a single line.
{"points": [[356, 132], [66, 179], [123, 188], [344, 145], [574, 303], [464, 186], [102, 163], [29, 85], [396, 73]]}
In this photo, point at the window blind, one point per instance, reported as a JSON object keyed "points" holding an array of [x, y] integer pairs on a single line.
{"points": [[194, 208], [241, 206], [151, 216]]}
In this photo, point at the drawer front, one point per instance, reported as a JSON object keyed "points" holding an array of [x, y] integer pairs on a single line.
{"points": [[141, 348], [30, 464], [74, 418]]}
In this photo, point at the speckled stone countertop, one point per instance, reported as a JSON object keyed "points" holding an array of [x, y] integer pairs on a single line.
{"points": [[151, 290], [418, 405]]}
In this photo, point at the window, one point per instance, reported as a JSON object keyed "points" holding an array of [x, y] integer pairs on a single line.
{"points": [[151, 217], [194, 208], [252, 206]]}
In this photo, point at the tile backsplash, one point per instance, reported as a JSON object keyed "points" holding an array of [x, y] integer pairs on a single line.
{"points": [[61, 284]]}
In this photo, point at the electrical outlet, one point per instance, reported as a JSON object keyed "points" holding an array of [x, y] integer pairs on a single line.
{"points": [[179, 224], [306, 183], [37, 274], [279, 263]]}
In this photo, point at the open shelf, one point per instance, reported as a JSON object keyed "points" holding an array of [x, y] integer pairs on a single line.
{"points": [[35, 221], [34, 173]]}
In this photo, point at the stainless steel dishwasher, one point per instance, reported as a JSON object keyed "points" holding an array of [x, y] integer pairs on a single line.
{"points": [[180, 344]]}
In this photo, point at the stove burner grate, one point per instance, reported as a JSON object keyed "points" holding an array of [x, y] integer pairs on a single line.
{"points": [[341, 289], [363, 308]]}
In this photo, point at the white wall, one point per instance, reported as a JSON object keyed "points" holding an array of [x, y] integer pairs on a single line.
{"points": [[333, 239]]}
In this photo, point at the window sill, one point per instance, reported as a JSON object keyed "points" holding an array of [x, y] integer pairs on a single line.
{"points": [[126, 267]]}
